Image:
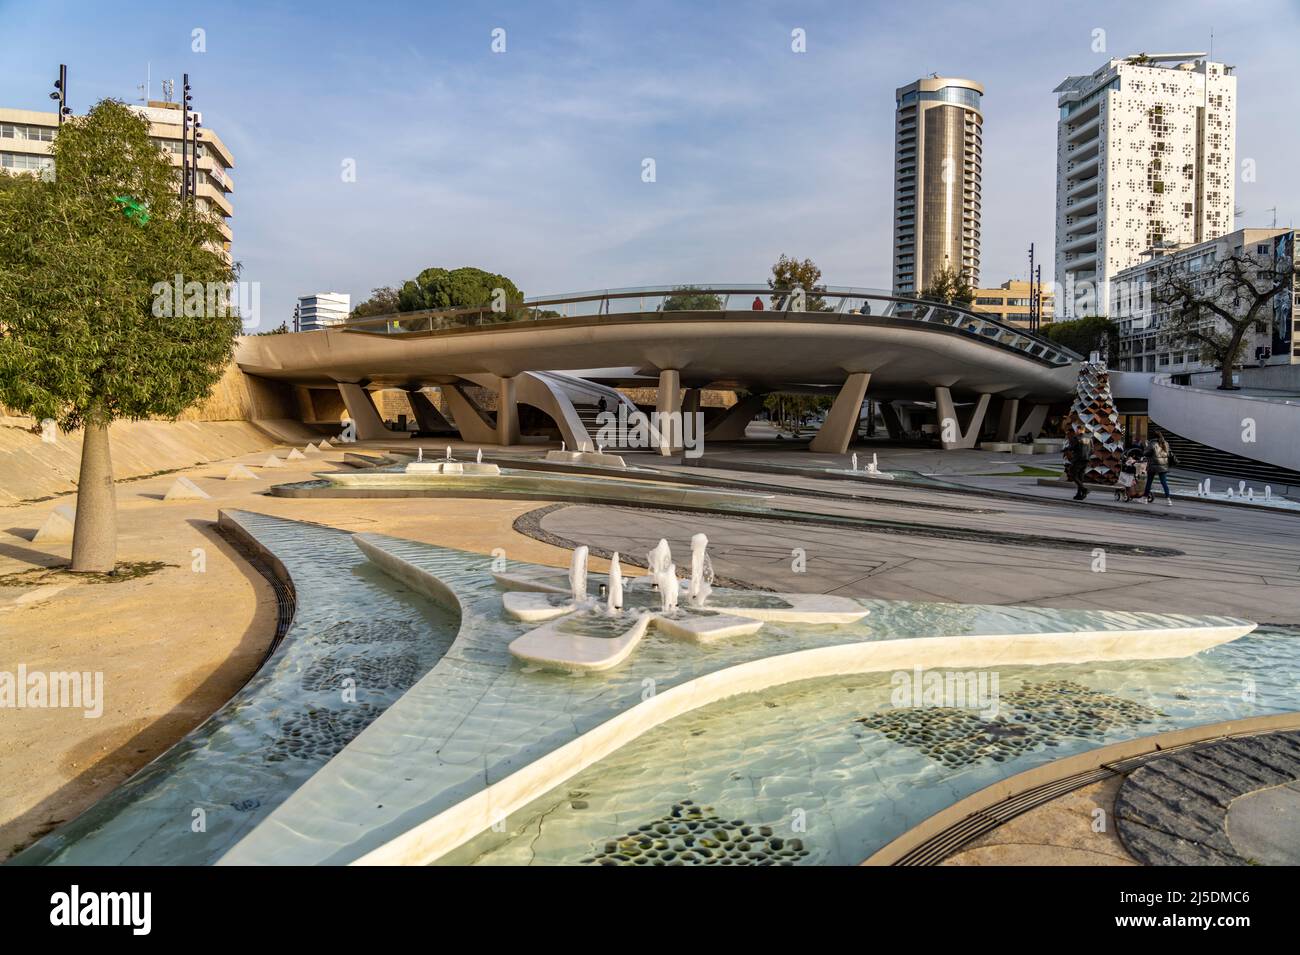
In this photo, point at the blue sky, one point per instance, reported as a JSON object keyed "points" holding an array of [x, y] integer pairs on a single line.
{"points": [[529, 162]]}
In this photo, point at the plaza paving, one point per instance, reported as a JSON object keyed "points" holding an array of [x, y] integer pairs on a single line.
{"points": [[176, 644]]}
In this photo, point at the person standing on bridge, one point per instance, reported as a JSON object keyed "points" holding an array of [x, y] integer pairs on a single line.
{"points": [[758, 304], [1159, 457]]}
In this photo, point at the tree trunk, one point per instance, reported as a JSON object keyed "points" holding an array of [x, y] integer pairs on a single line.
{"points": [[94, 536]]}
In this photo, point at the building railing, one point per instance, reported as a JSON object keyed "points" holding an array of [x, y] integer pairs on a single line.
{"points": [[855, 303]]}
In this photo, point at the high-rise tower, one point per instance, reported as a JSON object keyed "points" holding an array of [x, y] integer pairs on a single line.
{"points": [[1144, 160], [938, 143]]}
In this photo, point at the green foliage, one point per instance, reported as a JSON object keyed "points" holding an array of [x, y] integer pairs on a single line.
{"points": [[456, 288], [78, 333], [950, 286], [688, 298], [789, 273], [1083, 335], [382, 301], [791, 411]]}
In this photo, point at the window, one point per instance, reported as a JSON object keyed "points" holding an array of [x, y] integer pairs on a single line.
{"points": [[40, 134], [30, 163]]}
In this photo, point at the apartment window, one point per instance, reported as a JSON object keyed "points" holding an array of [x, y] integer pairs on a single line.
{"points": [[40, 134], [24, 162], [989, 301]]}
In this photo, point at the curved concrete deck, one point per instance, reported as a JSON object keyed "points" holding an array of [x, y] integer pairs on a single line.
{"points": [[767, 350]]}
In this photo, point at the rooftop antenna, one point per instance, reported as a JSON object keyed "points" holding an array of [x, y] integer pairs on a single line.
{"points": [[168, 89], [146, 88]]}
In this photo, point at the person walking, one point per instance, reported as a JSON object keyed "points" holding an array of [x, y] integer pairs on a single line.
{"points": [[1159, 457], [1077, 454]]}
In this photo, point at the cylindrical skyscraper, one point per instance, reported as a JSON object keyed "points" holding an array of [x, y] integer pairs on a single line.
{"points": [[938, 143]]}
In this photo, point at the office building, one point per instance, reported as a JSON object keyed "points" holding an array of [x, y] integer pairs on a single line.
{"points": [[26, 137], [1010, 302], [321, 310], [1142, 347]]}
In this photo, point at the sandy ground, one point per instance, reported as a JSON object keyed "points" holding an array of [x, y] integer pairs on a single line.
{"points": [[173, 646]]}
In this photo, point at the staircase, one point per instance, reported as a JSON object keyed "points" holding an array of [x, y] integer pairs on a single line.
{"points": [[589, 415], [1199, 457]]}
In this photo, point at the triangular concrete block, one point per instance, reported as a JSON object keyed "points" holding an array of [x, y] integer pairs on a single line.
{"points": [[271, 462], [325, 445], [310, 449], [241, 473], [183, 489], [295, 455], [58, 526]]}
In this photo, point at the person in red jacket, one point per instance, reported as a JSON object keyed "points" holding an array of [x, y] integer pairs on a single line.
{"points": [[758, 304]]}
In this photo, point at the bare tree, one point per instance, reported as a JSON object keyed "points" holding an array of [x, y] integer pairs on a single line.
{"points": [[1214, 308]]}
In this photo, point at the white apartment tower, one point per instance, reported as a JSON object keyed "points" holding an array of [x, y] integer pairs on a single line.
{"points": [[938, 147], [1145, 154]]}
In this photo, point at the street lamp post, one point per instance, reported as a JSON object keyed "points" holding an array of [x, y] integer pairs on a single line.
{"points": [[60, 92], [185, 125]]}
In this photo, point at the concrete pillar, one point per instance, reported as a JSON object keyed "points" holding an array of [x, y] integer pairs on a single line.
{"points": [[893, 423], [842, 420], [731, 424], [1033, 423], [1007, 419], [471, 421], [507, 413], [951, 435], [669, 407], [361, 409], [427, 415]]}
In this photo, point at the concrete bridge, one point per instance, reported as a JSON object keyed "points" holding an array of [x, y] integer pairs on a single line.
{"points": [[562, 354]]}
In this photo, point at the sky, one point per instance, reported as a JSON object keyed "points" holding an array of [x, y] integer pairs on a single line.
{"points": [[529, 162]]}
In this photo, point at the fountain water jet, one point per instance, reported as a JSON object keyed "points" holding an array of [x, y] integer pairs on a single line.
{"points": [[701, 571], [615, 603], [578, 574]]}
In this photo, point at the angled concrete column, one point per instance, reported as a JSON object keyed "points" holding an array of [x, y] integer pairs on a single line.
{"points": [[427, 415], [507, 413], [669, 407], [1033, 423], [731, 424], [472, 421], [1007, 419], [893, 423], [361, 409], [951, 435], [842, 420]]}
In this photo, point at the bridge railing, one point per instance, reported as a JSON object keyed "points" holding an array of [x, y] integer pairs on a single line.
{"points": [[860, 303]]}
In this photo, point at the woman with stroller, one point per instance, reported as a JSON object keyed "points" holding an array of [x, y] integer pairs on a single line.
{"points": [[1132, 474], [1159, 456]]}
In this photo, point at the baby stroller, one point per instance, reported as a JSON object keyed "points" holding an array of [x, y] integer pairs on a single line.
{"points": [[1132, 477]]}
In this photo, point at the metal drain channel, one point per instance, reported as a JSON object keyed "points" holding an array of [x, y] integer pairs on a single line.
{"points": [[983, 821]]}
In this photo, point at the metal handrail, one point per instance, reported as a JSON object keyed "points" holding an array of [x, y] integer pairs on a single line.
{"points": [[559, 307]]}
